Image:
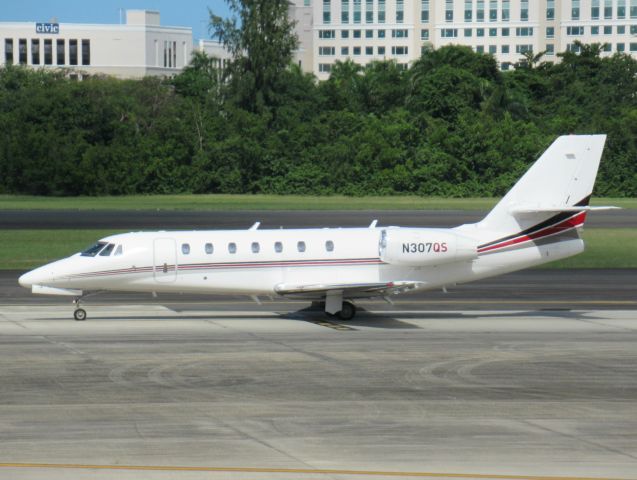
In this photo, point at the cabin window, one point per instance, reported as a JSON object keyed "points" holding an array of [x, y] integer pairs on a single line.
{"points": [[232, 247], [278, 247], [300, 246], [255, 247], [93, 249], [107, 251], [118, 251], [209, 248], [185, 248], [329, 246]]}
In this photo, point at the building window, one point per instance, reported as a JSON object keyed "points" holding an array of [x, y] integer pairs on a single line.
{"points": [[60, 52], [595, 10], [381, 11], [479, 32], [506, 10], [400, 11], [399, 33], [369, 11], [357, 34], [327, 51], [468, 10], [22, 51], [608, 9], [72, 52], [621, 29], [505, 49], [255, 247], [327, 34], [523, 48], [185, 248], [345, 11], [357, 11], [357, 50], [381, 33], [325, 67], [449, 10], [450, 32], [369, 33], [480, 49], [493, 10], [232, 248], [505, 32], [608, 29], [524, 10], [381, 50], [480, 11], [344, 50], [278, 247], [528, 31], [209, 248], [550, 49], [574, 31], [86, 52], [344, 33], [327, 14], [550, 9], [329, 246], [595, 30], [633, 47], [493, 32], [8, 51], [468, 32], [550, 32], [607, 47], [424, 34], [399, 50], [48, 51], [621, 9], [369, 50], [493, 49], [633, 29], [621, 47], [300, 246], [424, 11], [35, 51], [574, 9]]}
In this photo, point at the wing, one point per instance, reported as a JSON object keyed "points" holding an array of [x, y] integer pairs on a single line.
{"points": [[349, 290]]}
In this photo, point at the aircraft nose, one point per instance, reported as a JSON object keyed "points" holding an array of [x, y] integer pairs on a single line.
{"points": [[34, 277], [26, 280]]}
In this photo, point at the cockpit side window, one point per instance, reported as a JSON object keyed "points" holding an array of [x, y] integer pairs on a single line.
{"points": [[93, 249], [118, 251], [108, 250]]}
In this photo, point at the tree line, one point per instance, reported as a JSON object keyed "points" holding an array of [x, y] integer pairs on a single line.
{"points": [[451, 124]]}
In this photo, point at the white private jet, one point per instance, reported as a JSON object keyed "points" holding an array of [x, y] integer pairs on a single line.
{"points": [[538, 221]]}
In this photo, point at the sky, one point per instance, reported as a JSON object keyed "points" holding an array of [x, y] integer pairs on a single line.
{"points": [[181, 13]]}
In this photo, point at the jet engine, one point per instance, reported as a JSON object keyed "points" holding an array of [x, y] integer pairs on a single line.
{"points": [[417, 247]]}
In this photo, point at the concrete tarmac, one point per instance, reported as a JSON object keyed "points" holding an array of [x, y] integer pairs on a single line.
{"points": [[189, 220], [144, 391]]}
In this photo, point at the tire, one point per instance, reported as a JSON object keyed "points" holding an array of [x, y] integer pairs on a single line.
{"points": [[79, 314], [347, 312]]}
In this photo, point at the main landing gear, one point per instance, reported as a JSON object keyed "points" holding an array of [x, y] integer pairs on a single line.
{"points": [[348, 310], [336, 307], [79, 314]]}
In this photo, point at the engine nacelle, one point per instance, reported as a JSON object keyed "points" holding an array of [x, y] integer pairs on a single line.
{"points": [[417, 247]]}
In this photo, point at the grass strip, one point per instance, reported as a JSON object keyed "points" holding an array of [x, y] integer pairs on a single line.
{"points": [[262, 202], [25, 249]]}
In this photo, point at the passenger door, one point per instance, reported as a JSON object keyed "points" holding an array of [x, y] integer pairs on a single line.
{"points": [[165, 260]]}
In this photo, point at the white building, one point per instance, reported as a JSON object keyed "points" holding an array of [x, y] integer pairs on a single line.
{"points": [[137, 48], [366, 30]]}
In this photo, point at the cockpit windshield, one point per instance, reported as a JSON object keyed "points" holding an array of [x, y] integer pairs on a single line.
{"points": [[94, 249], [107, 251]]}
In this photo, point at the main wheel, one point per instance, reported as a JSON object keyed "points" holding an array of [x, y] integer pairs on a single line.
{"points": [[347, 311], [80, 314]]}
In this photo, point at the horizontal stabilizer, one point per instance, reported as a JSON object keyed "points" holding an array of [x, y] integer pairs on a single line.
{"points": [[540, 209]]}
